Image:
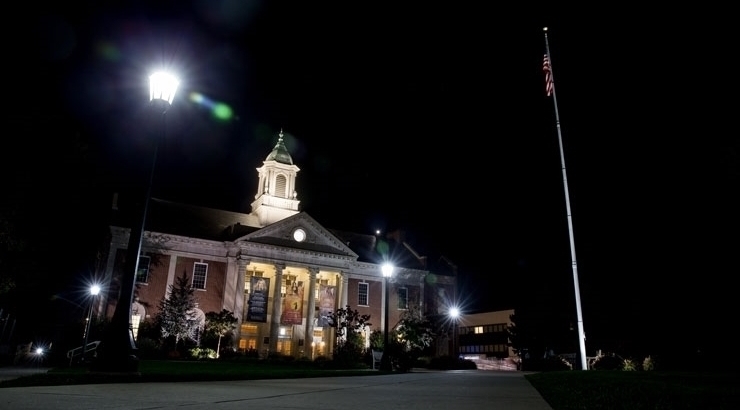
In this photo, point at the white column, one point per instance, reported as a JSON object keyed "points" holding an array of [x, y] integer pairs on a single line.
{"points": [[308, 340], [345, 289], [171, 275], [241, 272], [277, 307]]}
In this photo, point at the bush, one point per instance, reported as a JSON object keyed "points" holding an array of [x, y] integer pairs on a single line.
{"points": [[550, 363], [608, 362], [230, 353], [322, 361], [423, 361], [628, 365], [451, 363], [148, 348], [201, 353], [648, 364]]}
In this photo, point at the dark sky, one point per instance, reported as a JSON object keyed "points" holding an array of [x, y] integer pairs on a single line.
{"points": [[429, 118]]}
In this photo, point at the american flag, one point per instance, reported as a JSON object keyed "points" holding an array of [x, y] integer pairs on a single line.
{"points": [[548, 76]]}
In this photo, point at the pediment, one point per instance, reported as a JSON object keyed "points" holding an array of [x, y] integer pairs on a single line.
{"points": [[314, 237]]}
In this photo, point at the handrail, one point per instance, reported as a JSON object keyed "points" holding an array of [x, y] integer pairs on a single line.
{"points": [[78, 350]]}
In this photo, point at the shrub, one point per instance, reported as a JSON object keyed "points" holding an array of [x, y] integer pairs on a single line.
{"points": [[322, 361], [148, 348], [607, 362], [566, 362], [451, 363], [550, 363], [423, 361], [231, 353], [201, 353], [628, 365], [648, 364]]}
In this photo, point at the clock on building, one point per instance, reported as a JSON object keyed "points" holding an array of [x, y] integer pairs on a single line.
{"points": [[299, 235]]}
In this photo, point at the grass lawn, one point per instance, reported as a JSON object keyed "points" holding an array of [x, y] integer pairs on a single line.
{"points": [[603, 389]]}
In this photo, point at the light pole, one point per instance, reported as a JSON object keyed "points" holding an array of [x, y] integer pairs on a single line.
{"points": [[118, 350], [94, 290], [454, 315], [385, 360]]}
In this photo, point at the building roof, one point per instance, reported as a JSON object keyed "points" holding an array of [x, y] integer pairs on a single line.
{"points": [[194, 221], [199, 222], [280, 152]]}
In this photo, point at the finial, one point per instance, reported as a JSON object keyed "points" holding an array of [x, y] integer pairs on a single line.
{"points": [[281, 133], [544, 29]]}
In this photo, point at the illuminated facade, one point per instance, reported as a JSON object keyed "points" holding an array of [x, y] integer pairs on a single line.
{"points": [[279, 271]]}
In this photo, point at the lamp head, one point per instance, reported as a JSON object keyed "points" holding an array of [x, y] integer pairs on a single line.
{"points": [[162, 86], [387, 270]]}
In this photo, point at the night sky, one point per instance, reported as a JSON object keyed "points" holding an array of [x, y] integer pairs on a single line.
{"points": [[432, 119]]}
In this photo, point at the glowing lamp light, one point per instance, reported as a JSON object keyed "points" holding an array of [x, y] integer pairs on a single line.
{"points": [[162, 86], [387, 270]]}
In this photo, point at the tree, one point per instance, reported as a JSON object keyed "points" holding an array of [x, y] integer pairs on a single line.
{"points": [[414, 334], [176, 318], [415, 329], [525, 336], [350, 325], [376, 339], [220, 324]]}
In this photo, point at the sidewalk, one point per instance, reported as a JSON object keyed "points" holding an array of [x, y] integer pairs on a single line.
{"points": [[440, 390]]}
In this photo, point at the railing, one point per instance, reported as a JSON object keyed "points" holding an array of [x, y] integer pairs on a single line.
{"points": [[377, 357], [90, 347]]}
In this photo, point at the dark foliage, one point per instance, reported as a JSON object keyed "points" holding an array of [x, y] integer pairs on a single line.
{"points": [[551, 363], [451, 363]]}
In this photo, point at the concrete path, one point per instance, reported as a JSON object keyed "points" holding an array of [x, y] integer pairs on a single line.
{"points": [[441, 390]]}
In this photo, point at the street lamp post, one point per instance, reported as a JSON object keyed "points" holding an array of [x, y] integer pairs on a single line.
{"points": [[454, 315], [94, 290], [385, 360], [118, 350]]}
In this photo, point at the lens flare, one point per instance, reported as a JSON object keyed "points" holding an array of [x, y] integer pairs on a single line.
{"points": [[219, 110]]}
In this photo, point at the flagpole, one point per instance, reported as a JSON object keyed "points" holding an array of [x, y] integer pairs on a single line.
{"points": [[551, 91]]}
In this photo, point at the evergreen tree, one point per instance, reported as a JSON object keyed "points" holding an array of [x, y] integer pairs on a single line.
{"points": [[518, 337], [176, 318]]}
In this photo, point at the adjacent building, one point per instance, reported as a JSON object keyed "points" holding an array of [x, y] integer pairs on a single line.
{"points": [[277, 269], [482, 337]]}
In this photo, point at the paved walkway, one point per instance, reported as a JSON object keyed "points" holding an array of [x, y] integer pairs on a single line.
{"points": [[442, 390]]}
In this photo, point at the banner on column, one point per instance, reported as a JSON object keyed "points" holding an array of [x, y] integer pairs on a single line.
{"points": [[326, 304], [293, 305], [257, 310]]}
